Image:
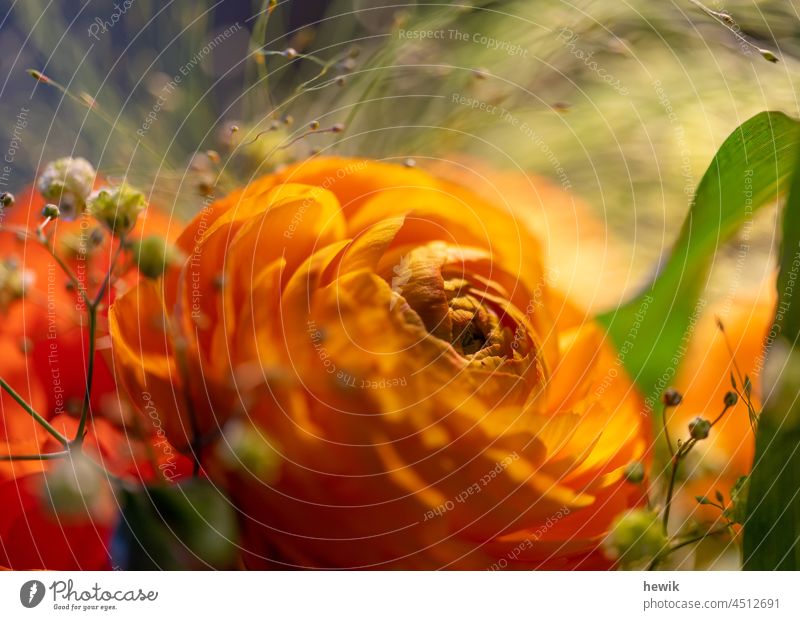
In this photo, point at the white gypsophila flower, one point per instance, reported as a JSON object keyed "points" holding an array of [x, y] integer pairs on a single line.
{"points": [[67, 181]]}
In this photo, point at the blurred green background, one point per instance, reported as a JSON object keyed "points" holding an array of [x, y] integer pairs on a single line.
{"points": [[623, 104]]}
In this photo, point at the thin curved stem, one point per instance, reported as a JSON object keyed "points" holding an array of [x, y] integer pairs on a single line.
{"points": [[676, 461], [50, 456], [109, 274], [92, 313], [65, 268], [661, 556], [79, 435], [719, 417], [73, 279], [666, 431], [113, 123], [36, 416]]}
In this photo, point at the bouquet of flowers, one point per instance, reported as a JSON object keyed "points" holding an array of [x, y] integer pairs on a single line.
{"points": [[377, 289]]}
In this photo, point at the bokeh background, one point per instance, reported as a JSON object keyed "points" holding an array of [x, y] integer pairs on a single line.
{"points": [[620, 104]]}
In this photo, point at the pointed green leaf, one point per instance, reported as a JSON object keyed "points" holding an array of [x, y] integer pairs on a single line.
{"points": [[750, 169], [772, 526]]}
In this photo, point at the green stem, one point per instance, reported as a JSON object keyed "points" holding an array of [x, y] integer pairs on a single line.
{"points": [[661, 556], [89, 375], [50, 250], [113, 123], [34, 457], [107, 280], [258, 40], [183, 372], [720, 18], [719, 417], [92, 312], [666, 431], [21, 401], [65, 268], [676, 461]]}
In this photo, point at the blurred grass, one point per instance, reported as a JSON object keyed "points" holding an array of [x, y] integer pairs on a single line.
{"points": [[624, 154]]}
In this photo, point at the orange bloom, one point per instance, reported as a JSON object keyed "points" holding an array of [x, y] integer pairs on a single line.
{"points": [[392, 338]]}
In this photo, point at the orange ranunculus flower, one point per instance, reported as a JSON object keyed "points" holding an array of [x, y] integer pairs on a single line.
{"points": [[704, 378], [392, 340]]}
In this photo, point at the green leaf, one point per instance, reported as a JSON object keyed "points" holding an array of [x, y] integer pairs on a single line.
{"points": [[754, 166], [189, 526], [750, 169], [772, 526]]}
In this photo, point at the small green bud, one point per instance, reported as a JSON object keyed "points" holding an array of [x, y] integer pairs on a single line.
{"points": [[731, 398], [67, 181], [636, 536], [51, 211], [153, 255], [634, 472], [671, 397], [76, 489], [117, 207], [768, 55], [748, 385], [13, 283], [699, 428], [38, 75], [244, 448], [7, 199]]}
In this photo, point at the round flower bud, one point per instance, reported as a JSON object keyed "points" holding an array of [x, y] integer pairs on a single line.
{"points": [[6, 199], [634, 472], [153, 255], [67, 181], [51, 211], [671, 397], [636, 536], [731, 398], [699, 428], [76, 489], [244, 448], [13, 283], [768, 55], [116, 207]]}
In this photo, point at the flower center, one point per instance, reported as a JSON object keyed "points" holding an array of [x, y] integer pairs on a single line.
{"points": [[465, 309], [473, 327]]}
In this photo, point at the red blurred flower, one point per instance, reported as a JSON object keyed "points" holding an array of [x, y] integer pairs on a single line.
{"points": [[43, 356]]}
